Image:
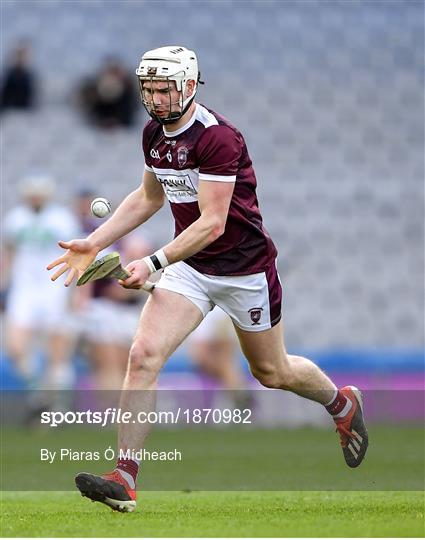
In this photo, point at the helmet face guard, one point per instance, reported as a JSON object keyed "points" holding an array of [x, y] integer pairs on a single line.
{"points": [[152, 108], [168, 64]]}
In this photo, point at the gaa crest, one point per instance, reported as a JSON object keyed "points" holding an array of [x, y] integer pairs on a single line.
{"points": [[255, 314], [182, 153]]}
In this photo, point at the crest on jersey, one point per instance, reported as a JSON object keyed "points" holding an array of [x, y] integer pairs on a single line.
{"points": [[182, 153], [255, 314], [152, 70]]}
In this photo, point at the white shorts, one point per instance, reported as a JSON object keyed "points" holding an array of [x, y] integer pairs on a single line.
{"points": [[42, 307], [107, 321], [253, 302]]}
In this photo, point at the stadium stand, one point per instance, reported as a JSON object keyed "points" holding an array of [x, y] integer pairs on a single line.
{"points": [[329, 96]]}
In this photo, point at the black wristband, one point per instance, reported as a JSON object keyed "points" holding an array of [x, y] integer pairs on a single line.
{"points": [[155, 262]]}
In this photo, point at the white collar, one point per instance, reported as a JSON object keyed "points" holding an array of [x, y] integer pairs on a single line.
{"points": [[183, 128]]}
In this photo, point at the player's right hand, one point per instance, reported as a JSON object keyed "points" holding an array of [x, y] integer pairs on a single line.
{"points": [[139, 273], [78, 257]]}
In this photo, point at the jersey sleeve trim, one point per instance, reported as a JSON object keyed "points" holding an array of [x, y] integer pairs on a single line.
{"points": [[149, 169], [217, 177]]}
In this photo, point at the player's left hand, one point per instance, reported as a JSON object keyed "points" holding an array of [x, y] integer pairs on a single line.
{"points": [[139, 274]]}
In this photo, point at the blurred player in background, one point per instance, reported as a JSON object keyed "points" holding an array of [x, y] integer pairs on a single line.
{"points": [[214, 350], [106, 314], [35, 310], [221, 255], [110, 320]]}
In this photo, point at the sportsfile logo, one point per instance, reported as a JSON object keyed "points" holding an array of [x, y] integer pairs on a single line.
{"points": [[114, 415]]}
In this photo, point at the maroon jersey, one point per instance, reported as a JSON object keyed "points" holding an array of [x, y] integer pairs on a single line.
{"points": [[209, 148]]}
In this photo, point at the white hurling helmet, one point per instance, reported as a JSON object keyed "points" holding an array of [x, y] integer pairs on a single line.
{"points": [[171, 63]]}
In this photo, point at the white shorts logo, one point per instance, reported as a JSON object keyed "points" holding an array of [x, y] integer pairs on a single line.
{"points": [[255, 314]]}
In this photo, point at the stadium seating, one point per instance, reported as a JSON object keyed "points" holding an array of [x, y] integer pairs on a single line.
{"points": [[330, 102]]}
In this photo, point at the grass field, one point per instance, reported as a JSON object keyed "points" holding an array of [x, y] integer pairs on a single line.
{"points": [[223, 485], [223, 514], [302, 459]]}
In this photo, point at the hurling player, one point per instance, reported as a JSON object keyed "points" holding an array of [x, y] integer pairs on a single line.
{"points": [[221, 255]]}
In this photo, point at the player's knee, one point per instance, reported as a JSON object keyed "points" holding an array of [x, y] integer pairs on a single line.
{"points": [[273, 377], [267, 377], [144, 358]]}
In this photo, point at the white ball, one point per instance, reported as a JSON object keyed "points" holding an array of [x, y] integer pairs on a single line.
{"points": [[100, 207]]}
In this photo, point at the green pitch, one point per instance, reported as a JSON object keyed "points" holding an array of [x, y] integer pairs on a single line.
{"points": [[371, 501], [303, 459], [222, 514]]}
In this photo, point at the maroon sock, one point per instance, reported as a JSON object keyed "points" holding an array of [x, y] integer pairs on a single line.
{"points": [[337, 405], [129, 466]]}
